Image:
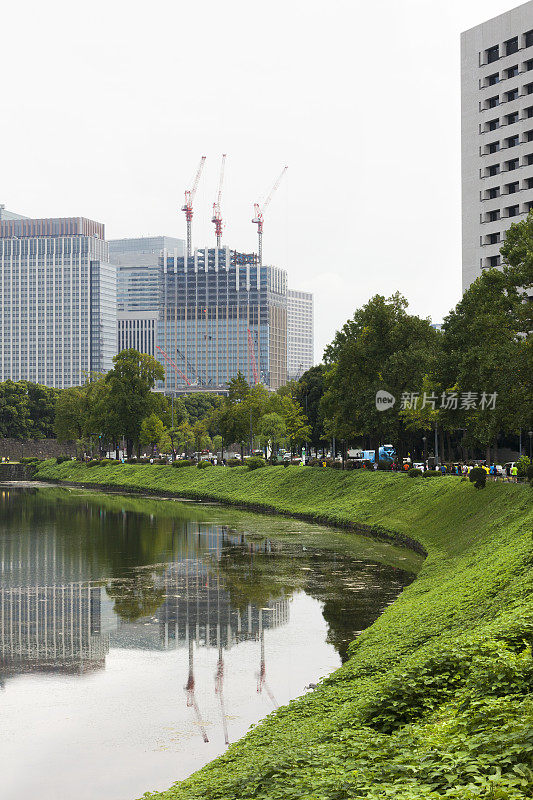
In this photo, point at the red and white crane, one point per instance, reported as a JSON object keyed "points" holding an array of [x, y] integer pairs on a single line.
{"points": [[217, 214], [189, 198], [258, 214], [173, 365]]}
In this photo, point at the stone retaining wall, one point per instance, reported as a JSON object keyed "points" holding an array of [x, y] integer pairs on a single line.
{"points": [[40, 448]]}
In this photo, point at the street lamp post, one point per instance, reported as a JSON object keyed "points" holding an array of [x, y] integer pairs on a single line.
{"points": [[425, 439]]}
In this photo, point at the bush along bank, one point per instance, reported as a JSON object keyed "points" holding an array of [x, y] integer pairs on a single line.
{"points": [[435, 700]]}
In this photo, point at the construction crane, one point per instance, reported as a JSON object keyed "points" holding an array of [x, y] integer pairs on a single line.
{"points": [[217, 214], [172, 364], [187, 207], [251, 356], [258, 215], [190, 368]]}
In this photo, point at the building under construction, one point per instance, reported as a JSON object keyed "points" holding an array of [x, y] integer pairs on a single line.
{"points": [[221, 312]]}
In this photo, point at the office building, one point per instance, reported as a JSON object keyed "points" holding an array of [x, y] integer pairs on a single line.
{"points": [[300, 337], [57, 301], [221, 313], [5, 214], [138, 287], [497, 134]]}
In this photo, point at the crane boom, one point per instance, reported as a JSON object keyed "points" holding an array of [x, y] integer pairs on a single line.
{"points": [[259, 212], [217, 214], [187, 207], [169, 361]]}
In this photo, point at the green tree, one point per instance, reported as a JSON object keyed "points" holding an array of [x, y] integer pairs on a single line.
{"points": [[71, 414], [185, 437], [380, 348], [238, 388], [41, 409], [130, 397], [152, 431], [15, 422], [485, 353], [308, 391], [272, 431]]}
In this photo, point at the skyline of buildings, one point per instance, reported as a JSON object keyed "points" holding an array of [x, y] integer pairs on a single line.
{"points": [[496, 134], [70, 300]]}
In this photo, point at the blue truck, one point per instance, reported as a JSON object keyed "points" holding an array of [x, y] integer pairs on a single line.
{"points": [[386, 453]]}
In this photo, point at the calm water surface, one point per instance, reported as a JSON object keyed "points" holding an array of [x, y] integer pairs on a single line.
{"points": [[139, 636]]}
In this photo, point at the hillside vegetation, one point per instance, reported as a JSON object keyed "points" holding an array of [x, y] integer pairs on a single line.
{"points": [[435, 700]]}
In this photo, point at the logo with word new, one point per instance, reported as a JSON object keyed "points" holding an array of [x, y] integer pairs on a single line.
{"points": [[384, 400]]}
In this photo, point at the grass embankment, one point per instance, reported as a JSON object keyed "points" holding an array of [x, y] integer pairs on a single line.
{"points": [[435, 700]]}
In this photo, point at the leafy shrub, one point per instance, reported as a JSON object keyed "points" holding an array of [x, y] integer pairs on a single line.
{"points": [[182, 462], [432, 473], [336, 464], [414, 472], [529, 472], [349, 464], [143, 460], [478, 477], [30, 460], [104, 461], [203, 464], [93, 463], [255, 462], [233, 462], [160, 460], [60, 459], [385, 465], [522, 466], [132, 460]]}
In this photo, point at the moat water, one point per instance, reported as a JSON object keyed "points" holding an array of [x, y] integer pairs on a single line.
{"points": [[139, 636]]}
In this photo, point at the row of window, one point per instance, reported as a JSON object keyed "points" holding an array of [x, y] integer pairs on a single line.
{"points": [[507, 119], [508, 188], [508, 166], [508, 211], [509, 47], [509, 141], [506, 74]]}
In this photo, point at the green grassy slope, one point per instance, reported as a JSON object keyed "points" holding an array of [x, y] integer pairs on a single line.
{"points": [[436, 698]]}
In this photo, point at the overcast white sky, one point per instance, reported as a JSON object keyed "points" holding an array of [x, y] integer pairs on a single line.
{"points": [[106, 108]]}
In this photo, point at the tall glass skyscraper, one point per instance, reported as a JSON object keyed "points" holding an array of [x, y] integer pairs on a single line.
{"points": [[138, 288], [58, 318], [221, 313]]}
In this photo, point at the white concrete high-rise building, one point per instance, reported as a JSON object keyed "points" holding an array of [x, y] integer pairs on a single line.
{"points": [[497, 134], [300, 337]]}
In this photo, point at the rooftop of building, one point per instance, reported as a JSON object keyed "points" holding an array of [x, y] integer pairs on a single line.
{"points": [[504, 16], [25, 228], [5, 214]]}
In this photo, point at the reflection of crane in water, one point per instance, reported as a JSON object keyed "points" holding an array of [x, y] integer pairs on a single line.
{"points": [[219, 687], [219, 676], [261, 675], [191, 697]]}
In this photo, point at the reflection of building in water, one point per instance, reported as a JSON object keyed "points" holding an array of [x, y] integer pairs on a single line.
{"points": [[50, 618], [198, 604], [198, 607]]}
